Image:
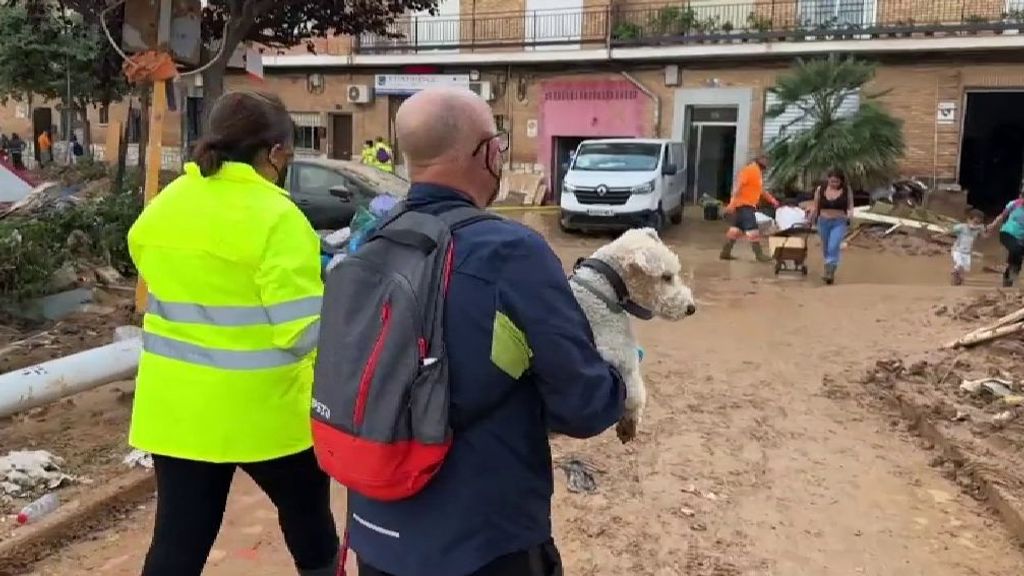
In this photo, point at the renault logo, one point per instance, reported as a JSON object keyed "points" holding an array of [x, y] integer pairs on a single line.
{"points": [[601, 190]]}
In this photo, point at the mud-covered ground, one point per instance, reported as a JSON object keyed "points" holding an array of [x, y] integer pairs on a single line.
{"points": [[89, 430], [764, 452], [986, 424]]}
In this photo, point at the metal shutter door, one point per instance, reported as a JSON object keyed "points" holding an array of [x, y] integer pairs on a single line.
{"points": [[772, 126]]}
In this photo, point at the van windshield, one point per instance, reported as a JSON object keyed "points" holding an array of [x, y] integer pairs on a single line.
{"points": [[618, 157]]}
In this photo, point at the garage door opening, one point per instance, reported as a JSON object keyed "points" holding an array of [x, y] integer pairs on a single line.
{"points": [[992, 149]]}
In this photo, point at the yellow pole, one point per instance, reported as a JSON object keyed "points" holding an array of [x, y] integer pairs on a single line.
{"points": [[154, 155]]}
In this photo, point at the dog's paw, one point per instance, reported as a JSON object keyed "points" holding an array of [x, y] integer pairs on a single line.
{"points": [[626, 429]]}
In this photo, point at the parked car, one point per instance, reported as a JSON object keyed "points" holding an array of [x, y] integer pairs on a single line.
{"points": [[622, 183], [330, 191]]}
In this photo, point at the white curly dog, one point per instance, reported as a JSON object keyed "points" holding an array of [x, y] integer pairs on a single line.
{"points": [[634, 275]]}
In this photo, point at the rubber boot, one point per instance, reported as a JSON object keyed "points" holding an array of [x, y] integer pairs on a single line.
{"points": [[759, 252], [830, 274], [727, 250], [957, 278], [1010, 276], [331, 569]]}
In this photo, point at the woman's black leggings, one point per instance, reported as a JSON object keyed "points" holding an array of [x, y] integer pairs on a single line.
{"points": [[191, 497], [1014, 254]]}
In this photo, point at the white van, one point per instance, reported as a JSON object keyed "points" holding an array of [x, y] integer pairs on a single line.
{"points": [[623, 183]]}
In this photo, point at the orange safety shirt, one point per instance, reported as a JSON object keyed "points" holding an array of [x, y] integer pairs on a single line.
{"points": [[750, 187]]}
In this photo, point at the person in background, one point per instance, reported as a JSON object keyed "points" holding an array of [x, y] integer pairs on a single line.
{"points": [[368, 155], [17, 148], [1010, 224], [5, 147], [75, 150], [966, 233], [225, 377], [384, 156], [45, 145], [831, 213], [746, 195], [523, 363]]}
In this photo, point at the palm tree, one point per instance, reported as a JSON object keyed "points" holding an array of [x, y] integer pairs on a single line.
{"points": [[866, 144]]}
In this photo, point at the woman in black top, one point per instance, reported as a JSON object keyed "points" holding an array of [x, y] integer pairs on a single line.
{"points": [[833, 208]]}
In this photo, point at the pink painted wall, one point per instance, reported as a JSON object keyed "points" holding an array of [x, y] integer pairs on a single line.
{"points": [[598, 108]]}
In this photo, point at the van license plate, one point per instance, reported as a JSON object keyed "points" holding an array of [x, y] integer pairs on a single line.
{"points": [[599, 212]]}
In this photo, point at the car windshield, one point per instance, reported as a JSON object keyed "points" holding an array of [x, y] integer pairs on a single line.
{"points": [[618, 157], [378, 180]]}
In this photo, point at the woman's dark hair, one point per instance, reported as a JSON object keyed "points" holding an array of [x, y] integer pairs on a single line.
{"points": [[838, 174], [240, 126]]}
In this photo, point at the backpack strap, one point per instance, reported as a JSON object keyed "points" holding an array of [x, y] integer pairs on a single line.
{"points": [[463, 216]]}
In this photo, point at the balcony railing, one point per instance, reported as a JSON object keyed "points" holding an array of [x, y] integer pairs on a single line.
{"points": [[698, 21]]}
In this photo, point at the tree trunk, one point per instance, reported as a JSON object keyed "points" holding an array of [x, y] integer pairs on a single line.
{"points": [[213, 77], [213, 87], [144, 127]]}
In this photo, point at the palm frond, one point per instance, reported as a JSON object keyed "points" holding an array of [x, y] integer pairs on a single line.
{"points": [[867, 144]]}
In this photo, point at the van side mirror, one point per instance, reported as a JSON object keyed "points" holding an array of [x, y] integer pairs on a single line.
{"points": [[341, 193], [670, 170]]}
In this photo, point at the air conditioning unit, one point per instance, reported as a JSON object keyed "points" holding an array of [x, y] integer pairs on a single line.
{"points": [[482, 89], [360, 94]]}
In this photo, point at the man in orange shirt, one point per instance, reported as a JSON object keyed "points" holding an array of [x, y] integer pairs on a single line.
{"points": [[45, 148], [746, 195]]}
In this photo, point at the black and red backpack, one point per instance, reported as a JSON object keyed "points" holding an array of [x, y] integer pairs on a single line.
{"points": [[381, 383]]}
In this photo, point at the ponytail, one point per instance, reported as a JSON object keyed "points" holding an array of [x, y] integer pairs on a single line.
{"points": [[207, 157]]}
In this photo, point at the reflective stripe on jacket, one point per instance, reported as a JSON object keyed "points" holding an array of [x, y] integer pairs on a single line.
{"points": [[231, 324]]}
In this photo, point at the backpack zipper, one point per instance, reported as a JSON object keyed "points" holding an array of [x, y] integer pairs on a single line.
{"points": [[449, 259], [371, 365]]}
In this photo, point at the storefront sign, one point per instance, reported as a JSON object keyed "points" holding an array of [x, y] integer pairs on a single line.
{"points": [[946, 113], [404, 84], [531, 128]]}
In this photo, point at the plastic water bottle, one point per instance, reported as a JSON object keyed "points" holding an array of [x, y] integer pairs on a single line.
{"points": [[38, 509]]}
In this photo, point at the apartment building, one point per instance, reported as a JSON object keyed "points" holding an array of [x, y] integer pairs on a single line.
{"points": [[558, 71]]}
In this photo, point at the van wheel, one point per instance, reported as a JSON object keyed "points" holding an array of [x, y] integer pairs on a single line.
{"points": [[657, 220], [677, 218], [566, 229]]}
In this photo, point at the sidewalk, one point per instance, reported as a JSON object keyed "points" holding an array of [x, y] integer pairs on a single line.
{"points": [[250, 542]]}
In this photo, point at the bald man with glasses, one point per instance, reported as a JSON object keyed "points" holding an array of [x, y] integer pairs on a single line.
{"points": [[522, 364]]}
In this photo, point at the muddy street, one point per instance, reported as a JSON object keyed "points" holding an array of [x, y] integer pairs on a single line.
{"points": [[761, 453]]}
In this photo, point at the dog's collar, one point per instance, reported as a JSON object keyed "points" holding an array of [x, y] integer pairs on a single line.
{"points": [[622, 302]]}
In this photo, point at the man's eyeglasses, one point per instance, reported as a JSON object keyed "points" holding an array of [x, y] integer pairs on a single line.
{"points": [[501, 137]]}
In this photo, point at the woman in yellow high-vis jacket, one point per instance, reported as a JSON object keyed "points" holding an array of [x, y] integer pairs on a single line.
{"points": [[233, 272]]}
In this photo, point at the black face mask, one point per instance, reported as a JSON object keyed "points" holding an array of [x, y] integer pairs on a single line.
{"points": [[281, 179]]}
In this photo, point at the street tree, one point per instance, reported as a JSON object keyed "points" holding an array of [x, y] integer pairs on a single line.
{"points": [[281, 24], [56, 55], [820, 133]]}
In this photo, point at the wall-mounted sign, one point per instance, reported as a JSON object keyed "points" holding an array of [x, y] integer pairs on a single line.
{"points": [[531, 128], [946, 113], [21, 110], [404, 84]]}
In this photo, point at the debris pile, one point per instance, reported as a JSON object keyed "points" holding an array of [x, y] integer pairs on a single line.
{"points": [[907, 230], [984, 307], [51, 242], [27, 474], [970, 392]]}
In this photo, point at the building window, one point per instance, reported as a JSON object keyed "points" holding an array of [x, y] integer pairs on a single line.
{"points": [[828, 14], [104, 114], [307, 138], [309, 131]]}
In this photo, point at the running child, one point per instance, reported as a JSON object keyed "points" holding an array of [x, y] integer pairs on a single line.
{"points": [[966, 233]]}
